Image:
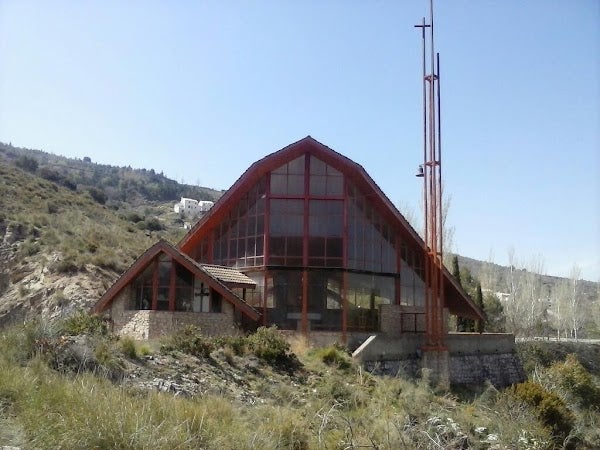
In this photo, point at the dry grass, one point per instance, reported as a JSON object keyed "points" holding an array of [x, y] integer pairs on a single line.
{"points": [[326, 408]]}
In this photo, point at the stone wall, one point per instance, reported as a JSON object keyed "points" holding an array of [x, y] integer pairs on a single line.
{"points": [[473, 358], [146, 324]]}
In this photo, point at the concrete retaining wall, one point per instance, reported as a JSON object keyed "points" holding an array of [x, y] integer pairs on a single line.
{"points": [[473, 358]]}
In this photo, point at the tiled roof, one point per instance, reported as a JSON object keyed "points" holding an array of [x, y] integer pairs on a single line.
{"points": [[227, 275]]}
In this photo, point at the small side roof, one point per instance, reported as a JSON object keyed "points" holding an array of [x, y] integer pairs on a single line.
{"points": [[230, 276], [220, 279]]}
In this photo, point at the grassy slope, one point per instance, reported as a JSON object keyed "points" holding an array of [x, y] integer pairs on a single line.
{"points": [[49, 218], [52, 237], [312, 405]]}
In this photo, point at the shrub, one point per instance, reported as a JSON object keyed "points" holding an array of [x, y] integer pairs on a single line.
{"points": [[548, 406], [128, 348], [237, 344], [29, 247], [84, 323], [134, 217], [188, 340], [572, 377], [269, 344], [335, 356], [64, 266], [27, 163], [98, 195]]}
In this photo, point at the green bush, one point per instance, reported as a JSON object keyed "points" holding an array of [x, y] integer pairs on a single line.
{"points": [[269, 344], [548, 406], [334, 356], [84, 323], [128, 347], [188, 340], [237, 344], [575, 381]]}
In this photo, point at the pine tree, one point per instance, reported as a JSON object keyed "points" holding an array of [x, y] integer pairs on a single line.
{"points": [[480, 324], [461, 324], [456, 269]]}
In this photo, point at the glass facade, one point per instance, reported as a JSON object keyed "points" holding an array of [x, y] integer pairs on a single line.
{"points": [[239, 239], [323, 256], [166, 285]]}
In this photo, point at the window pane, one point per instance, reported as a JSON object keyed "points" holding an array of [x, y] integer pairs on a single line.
{"points": [[316, 246], [295, 185], [317, 167], [294, 246], [317, 185], [278, 184], [335, 185], [296, 166], [334, 248]]}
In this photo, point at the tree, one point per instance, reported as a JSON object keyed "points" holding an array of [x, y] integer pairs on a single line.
{"points": [[494, 311], [480, 324], [558, 309], [456, 269], [513, 306], [575, 308], [533, 298], [463, 324], [27, 163]]}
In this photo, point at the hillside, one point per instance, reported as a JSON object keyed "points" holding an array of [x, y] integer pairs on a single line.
{"points": [[107, 184], [60, 248], [497, 276], [69, 227]]}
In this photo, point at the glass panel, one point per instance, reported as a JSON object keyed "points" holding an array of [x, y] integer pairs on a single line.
{"points": [[296, 166], [316, 246], [294, 246], [285, 296], [278, 184], [286, 217], [326, 218], [334, 248], [335, 185], [318, 185], [324, 300], [143, 289], [317, 167], [365, 294], [295, 185], [163, 299]]}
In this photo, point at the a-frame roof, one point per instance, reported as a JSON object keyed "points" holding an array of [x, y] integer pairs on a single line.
{"points": [[456, 298], [218, 278], [270, 162]]}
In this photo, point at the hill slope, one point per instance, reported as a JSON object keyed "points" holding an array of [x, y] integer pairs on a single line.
{"points": [[114, 185], [60, 248]]}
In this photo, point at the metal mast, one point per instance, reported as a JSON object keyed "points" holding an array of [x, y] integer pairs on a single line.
{"points": [[431, 172]]}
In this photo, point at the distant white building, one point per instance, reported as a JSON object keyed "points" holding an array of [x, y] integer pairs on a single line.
{"points": [[190, 207]]}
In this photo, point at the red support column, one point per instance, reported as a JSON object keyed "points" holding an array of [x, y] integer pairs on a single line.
{"points": [[155, 286], [172, 279], [304, 323]]}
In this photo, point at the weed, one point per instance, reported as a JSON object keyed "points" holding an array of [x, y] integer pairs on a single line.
{"points": [[128, 347]]}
